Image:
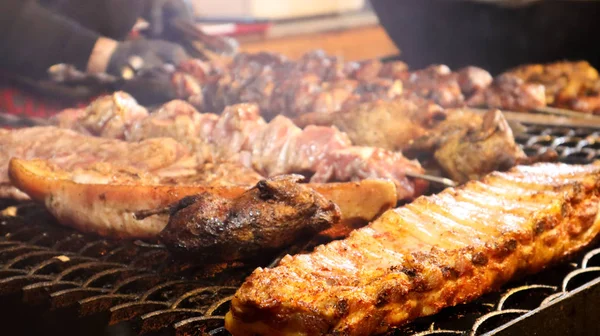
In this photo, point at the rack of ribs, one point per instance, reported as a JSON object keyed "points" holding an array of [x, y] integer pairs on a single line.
{"points": [[438, 251]]}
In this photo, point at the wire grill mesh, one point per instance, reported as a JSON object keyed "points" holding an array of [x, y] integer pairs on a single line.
{"points": [[80, 284]]}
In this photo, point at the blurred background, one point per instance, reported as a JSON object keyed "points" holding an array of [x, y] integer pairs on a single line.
{"points": [[347, 28]]}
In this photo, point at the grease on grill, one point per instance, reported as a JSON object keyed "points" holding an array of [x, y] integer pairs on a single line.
{"points": [[105, 287]]}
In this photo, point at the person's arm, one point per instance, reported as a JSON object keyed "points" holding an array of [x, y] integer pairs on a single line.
{"points": [[34, 38]]}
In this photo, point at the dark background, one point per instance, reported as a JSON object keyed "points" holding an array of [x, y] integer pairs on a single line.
{"points": [[460, 33]]}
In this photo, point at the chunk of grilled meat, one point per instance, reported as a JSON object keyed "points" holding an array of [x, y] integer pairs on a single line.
{"points": [[438, 251], [468, 145], [274, 214], [391, 125], [444, 87], [510, 92], [105, 199], [564, 81]]}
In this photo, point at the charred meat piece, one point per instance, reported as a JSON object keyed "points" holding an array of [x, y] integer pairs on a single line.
{"points": [[391, 125], [467, 145], [510, 92], [436, 83], [437, 252], [468, 153], [268, 217]]}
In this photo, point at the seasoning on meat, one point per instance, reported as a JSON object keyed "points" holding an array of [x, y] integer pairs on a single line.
{"points": [[438, 251], [272, 215]]}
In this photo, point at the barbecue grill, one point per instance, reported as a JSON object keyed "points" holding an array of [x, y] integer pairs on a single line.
{"points": [[55, 280]]}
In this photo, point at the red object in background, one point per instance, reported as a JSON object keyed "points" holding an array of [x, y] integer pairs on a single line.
{"points": [[18, 102]]}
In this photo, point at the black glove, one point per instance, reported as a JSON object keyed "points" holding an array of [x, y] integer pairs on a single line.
{"points": [[158, 13], [152, 53]]}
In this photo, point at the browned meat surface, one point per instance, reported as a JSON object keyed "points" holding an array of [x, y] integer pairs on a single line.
{"points": [[436, 83], [104, 199], [391, 125], [315, 83], [436, 252], [473, 79], [570, 85], [274, 214], [563, 81], [470, 152], [510, 92]]}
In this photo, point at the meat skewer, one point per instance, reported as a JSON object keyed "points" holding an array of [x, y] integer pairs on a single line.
{"points": [[438, 251], [241, 135]]}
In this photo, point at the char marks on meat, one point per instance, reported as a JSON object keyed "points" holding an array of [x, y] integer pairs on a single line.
{"points": [[469, 145], [438, 251], [274, 214]]}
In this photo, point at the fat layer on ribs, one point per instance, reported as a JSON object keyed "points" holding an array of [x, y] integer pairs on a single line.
{"points": [[436, 252]]}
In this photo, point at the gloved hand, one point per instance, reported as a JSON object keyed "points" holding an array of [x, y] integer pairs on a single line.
{"points": [[159, 12], [152, 53]]}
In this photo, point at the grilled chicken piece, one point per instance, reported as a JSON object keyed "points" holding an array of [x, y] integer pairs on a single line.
{"points": [[104, 199], [274, 214], [389, 125], [564, 81], [510, 92], [473, 152], [468, 145], [436, 252]]}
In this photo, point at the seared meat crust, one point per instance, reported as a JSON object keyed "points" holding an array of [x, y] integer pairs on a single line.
{"points": [[436, 252], [268, 217]]}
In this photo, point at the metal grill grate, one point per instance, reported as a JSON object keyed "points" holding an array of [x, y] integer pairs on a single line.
{"points": [[55, 280]]}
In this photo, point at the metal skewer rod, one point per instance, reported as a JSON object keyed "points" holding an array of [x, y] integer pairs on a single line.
{"points": [[441, 180], [565, 112]]}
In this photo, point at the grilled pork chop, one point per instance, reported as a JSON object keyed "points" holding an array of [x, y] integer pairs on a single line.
{"points": [[272, 215], [104, 199], [436, 252]]}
